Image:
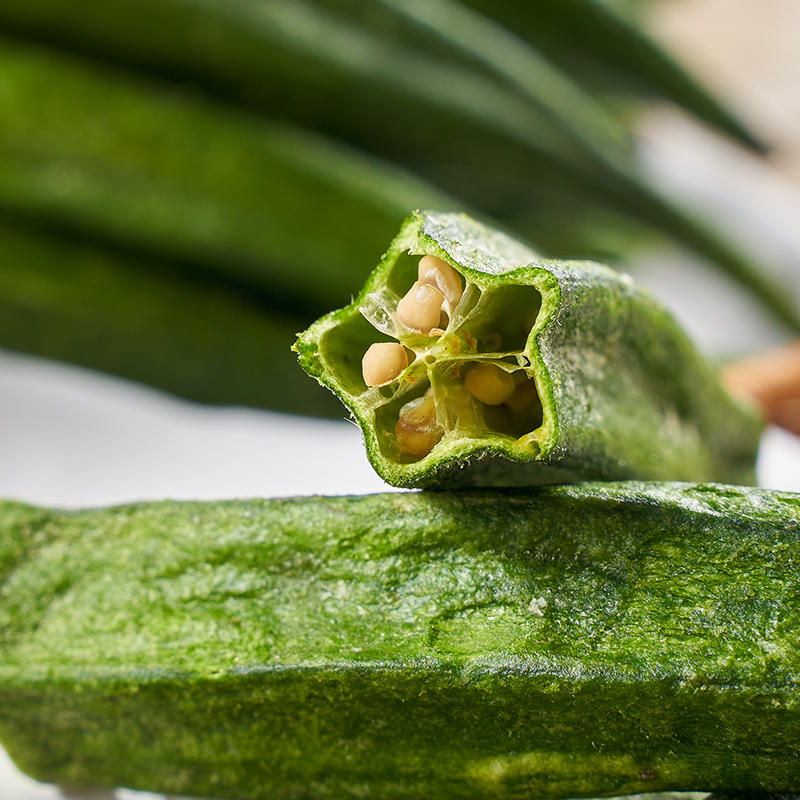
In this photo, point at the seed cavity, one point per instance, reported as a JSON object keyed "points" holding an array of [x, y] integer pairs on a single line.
{"points": [[525, 395], [383, 362], [451, 337]]}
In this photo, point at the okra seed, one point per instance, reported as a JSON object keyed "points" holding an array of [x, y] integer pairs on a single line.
{"points": [[421, 307], [417, 430], [438, 273], [489, 384], [383, 362]]}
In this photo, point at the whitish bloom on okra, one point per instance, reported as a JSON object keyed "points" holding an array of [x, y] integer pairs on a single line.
{"points": [[468, 360]]}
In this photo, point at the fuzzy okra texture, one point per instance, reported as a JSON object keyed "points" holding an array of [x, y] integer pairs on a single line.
{"points": [[556, 642], [468, 360]]}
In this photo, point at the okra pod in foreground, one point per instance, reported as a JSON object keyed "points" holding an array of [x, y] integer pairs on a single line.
{"points": [[555, 642], [468, 360]]}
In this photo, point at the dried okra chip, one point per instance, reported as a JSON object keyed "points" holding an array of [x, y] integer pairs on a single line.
{"points": [[468, 360]]}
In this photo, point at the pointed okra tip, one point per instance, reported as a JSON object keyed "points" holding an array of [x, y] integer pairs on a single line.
{"points": [[436, 357]]}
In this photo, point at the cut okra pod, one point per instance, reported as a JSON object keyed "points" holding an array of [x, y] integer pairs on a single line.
{"points": [[468, 360]]}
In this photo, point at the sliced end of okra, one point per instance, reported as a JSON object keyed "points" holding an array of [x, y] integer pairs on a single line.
{"points": [[467, 360], [437, 360]]}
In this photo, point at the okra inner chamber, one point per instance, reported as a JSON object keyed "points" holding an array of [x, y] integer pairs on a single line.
{"points": [[442, 359]]}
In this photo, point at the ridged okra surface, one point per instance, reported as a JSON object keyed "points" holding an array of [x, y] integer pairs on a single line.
{"points": [[468, 360], [559, 642]]}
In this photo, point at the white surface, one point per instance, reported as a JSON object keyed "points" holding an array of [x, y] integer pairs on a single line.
{"points": [[779, 461], [75, 438], [16, 786]]}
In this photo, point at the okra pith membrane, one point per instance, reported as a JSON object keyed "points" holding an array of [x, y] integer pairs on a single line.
{"points": [[567, 641], [468, 360]]}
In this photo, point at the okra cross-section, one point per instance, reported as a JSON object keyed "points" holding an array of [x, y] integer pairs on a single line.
{"points": [[457, 367], [468, 360]]}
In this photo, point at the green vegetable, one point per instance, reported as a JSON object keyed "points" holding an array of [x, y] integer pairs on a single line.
{"points": [[65, 299], [216, 42], [469, 119], [568, 641], [603, 49], [529, 371], [139, 166]]}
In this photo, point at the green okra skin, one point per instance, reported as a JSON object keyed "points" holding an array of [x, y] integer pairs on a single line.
{"points": [[564, 641], [147, 167], [65, 299], [615, 388]]}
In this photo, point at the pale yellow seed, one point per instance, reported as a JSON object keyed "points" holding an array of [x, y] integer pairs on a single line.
{"points": [[489, 384], [421, 308], [440, 274], [417, 430], [383, 362]]}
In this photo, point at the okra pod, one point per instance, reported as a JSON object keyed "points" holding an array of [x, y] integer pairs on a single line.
{"points": [[64, 299], [211, 40], [467, 360], [567, 641], [145, 167], [603, 48], [430, 114]]}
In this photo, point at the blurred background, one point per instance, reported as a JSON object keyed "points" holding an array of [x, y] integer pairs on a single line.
{"points": [[184, 185]]}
